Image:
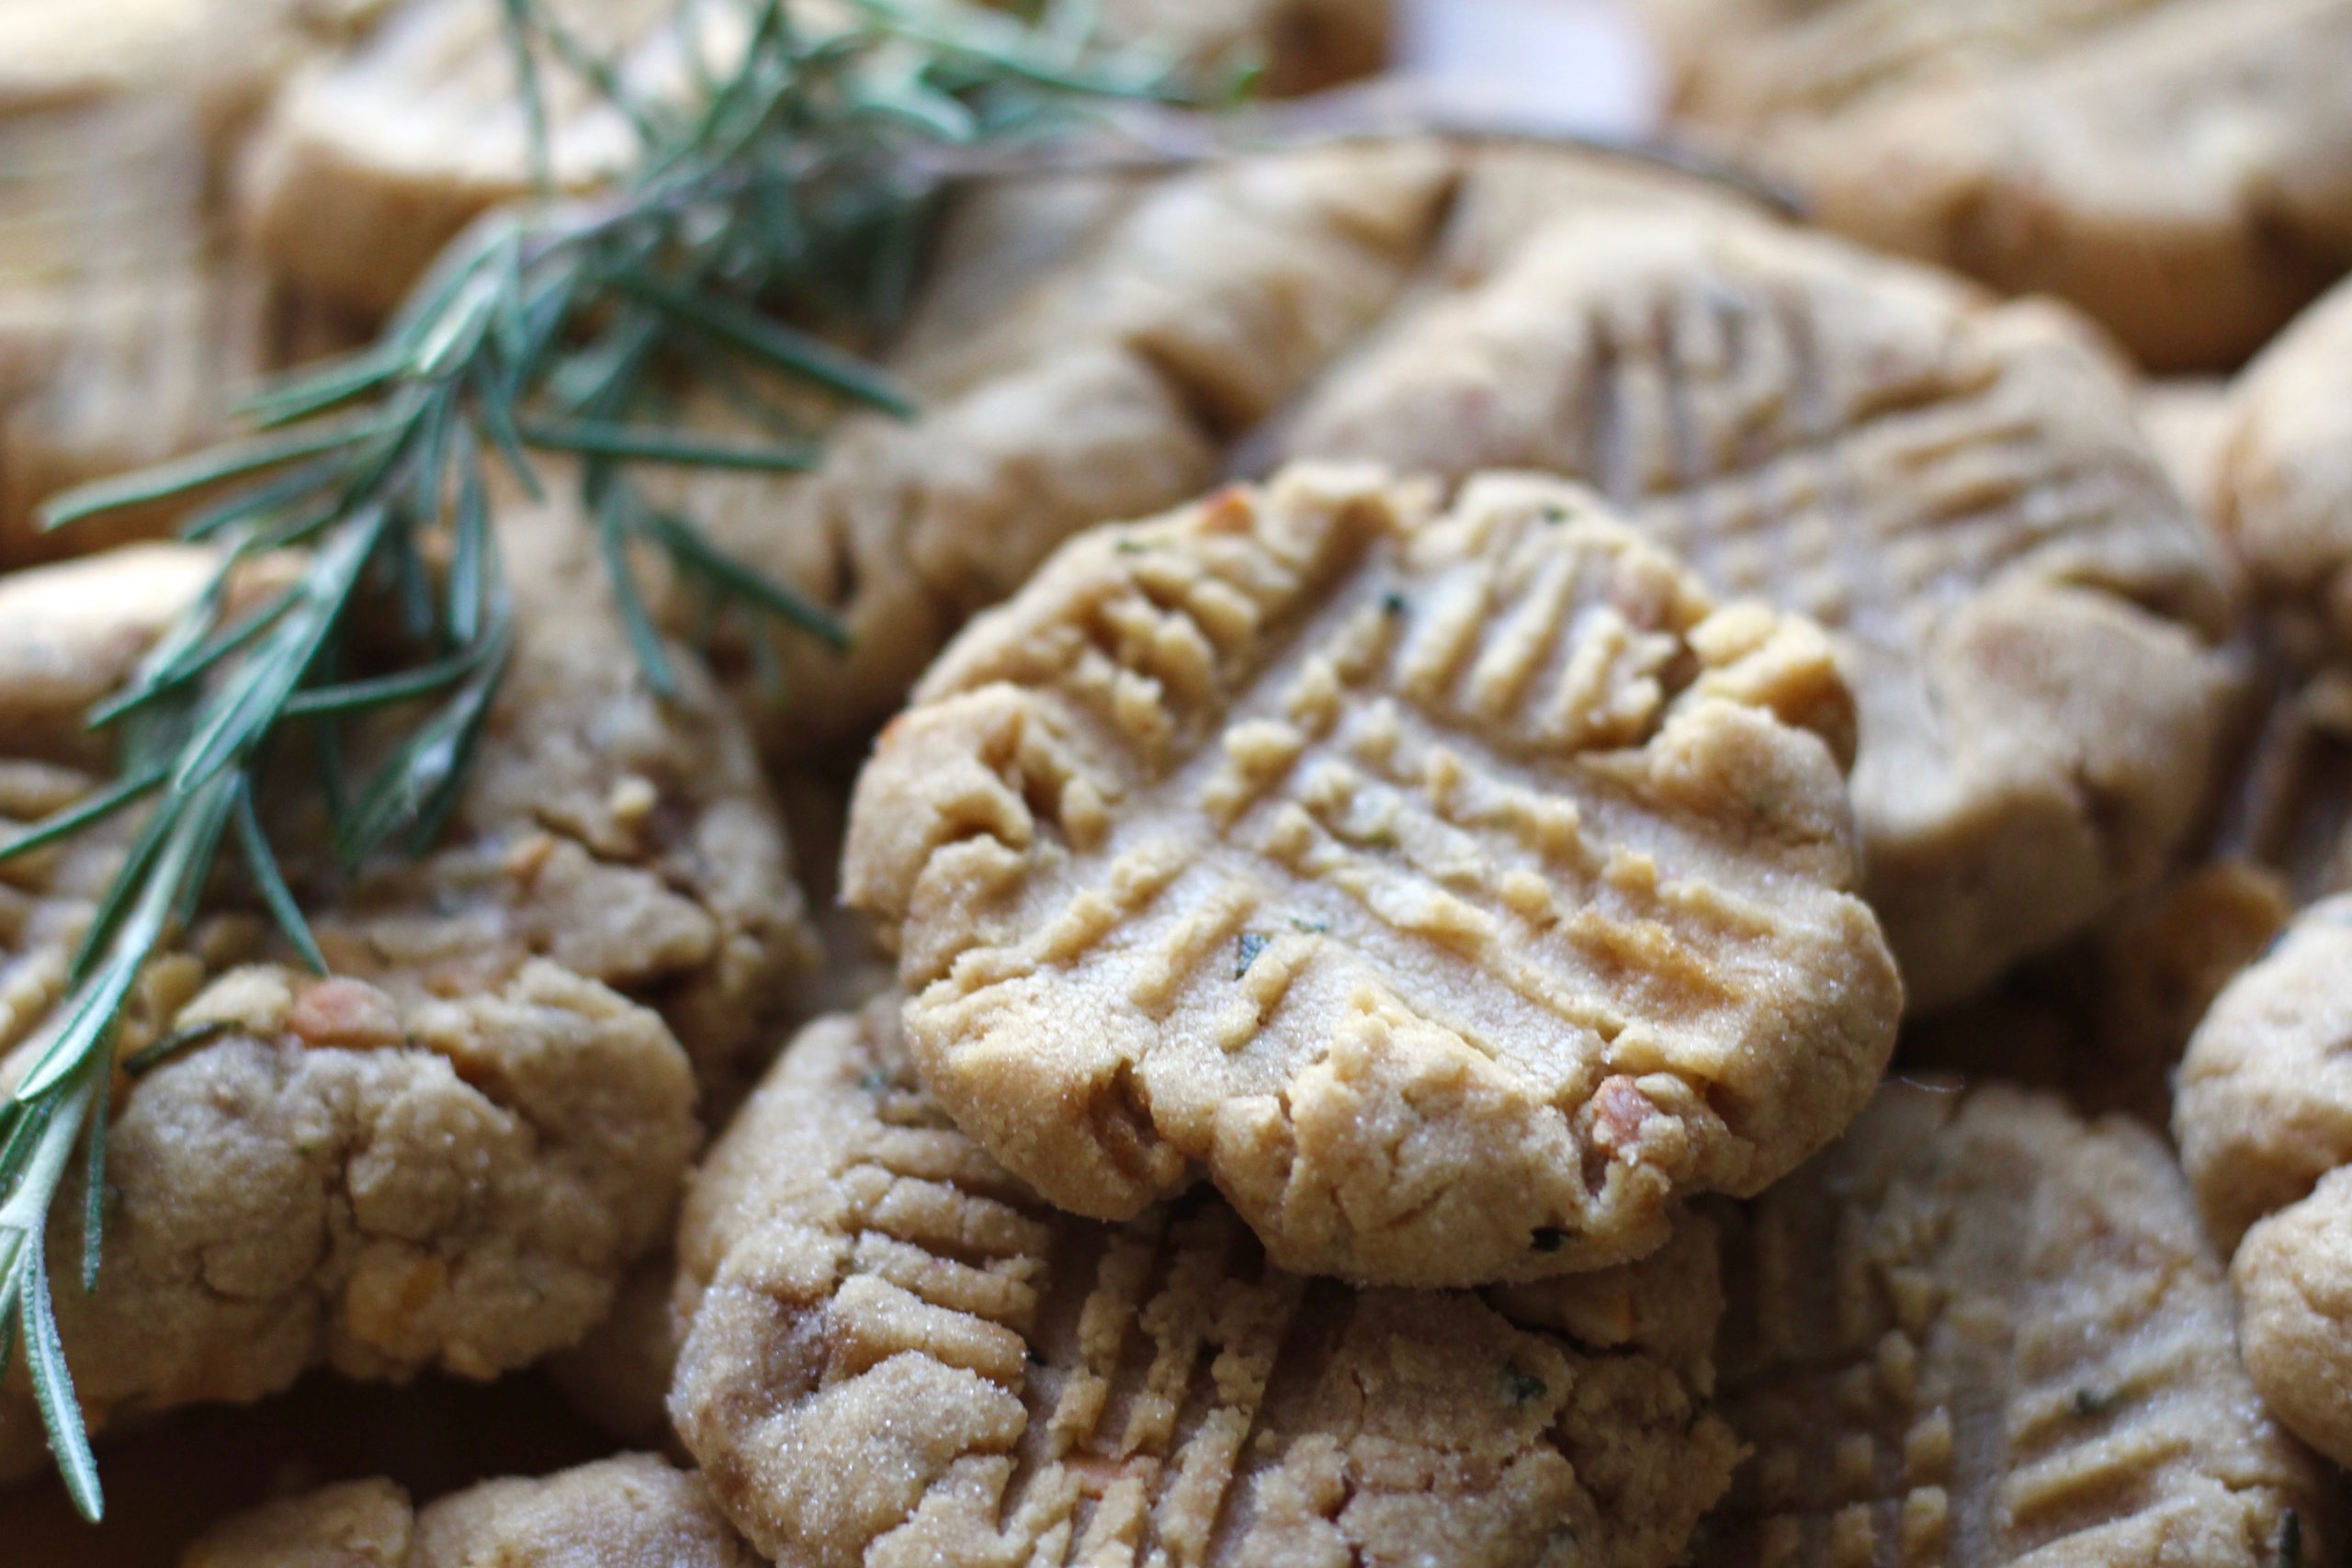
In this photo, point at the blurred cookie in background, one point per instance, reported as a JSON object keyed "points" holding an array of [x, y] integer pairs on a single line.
{"points": [[2179, 169], [1980, 1329], [2033, 618], [898, 1352]]}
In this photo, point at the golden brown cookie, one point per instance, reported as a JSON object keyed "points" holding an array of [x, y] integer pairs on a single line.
{"points": [[1457, 893], [2285, 489], [368, 164], [1958, 490], [450, 1154], [337, 1178], [2264, 1117], [630, 1512], [1979, 1330], [2174, 167], [899, 1354], [2266, 1103]]}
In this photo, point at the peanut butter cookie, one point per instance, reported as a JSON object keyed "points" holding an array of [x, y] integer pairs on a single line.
{"points": [[1978, 1330], [1457, 893], [630, 1512], [2174, 167], [449, 1154], [901, 1354], [2264, 1117], [1091, 348], [2025, 607], [2285, 485]]}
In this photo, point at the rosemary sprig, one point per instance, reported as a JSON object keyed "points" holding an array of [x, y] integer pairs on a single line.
{"points": [[768, 210]]}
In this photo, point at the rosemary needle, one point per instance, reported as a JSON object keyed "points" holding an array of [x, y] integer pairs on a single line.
{"points": [[784, 191]]}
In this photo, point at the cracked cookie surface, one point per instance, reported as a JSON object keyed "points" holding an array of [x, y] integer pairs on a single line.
{"points": [[2024, 604], [630, 1512], [1979, 1330], [1458, 894], [450, 1155], [2174, 167], [334, 1179], [899, 1354], [629, 837]]}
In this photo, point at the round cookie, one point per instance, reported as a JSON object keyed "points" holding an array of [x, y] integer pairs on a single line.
{"points": [[450, 1155], [1980, 1330], [2025, 606], [898, 1353], [2264, 1118], [1457, 893], [2285, 485], [2174, 167], [630, 1512]]}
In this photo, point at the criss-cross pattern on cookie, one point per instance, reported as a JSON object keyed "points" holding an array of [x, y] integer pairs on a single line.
{"points": [[1148, 1393], [1457, 893]]}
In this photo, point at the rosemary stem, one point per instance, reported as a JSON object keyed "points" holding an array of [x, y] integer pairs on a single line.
{"points": [[26, 1213], [761, 222], [91, 1011]]}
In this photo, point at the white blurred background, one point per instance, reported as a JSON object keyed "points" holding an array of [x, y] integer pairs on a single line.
{"points": [[1580, 64]]}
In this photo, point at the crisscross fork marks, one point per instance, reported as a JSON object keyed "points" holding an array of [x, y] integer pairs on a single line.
{"points": [[1180, 841], [1175, 1399], [1982, 1329]]}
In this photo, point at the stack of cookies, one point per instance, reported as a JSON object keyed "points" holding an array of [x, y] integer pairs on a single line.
{"points": [[1534, 866]]}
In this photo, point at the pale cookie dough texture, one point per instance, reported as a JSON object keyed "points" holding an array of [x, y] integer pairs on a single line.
{"points": [[2181, 169], [2264, 1119], [1457, 893], [450, 1155], [2285, 486], [630, 1512], [1979, 1330], [2025, 605], [2187, 420], [370, 163], [900, 1354]]}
